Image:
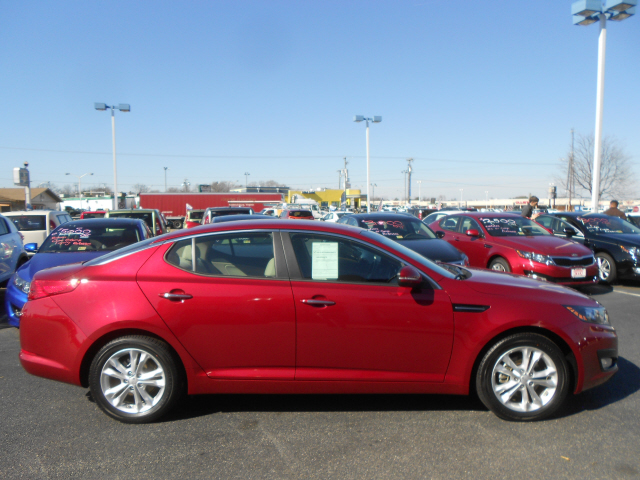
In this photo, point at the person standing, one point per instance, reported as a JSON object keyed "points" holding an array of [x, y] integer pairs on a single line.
{"points": [[614, 211], [527, 210]]}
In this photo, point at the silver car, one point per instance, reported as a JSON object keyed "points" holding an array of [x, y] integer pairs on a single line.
{"points": [[12, 253]]}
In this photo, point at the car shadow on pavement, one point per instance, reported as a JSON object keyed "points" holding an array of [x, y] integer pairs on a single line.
{"points": [[595, 289], [202, 405], [623, 384]]}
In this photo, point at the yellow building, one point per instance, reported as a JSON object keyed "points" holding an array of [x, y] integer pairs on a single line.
{"points": [[327, 197]]}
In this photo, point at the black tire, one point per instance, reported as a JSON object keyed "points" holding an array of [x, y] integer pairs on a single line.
{"points": [[499, 264], [148, 396], [523, 395], [607, 272]]}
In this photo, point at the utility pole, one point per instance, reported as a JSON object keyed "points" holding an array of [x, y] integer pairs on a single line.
{"points": [[571, 176], [339, 179], [409, 170]]}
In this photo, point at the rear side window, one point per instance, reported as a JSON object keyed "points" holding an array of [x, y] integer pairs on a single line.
{"points": [[30, 223], [4, 228], [449, 223]]}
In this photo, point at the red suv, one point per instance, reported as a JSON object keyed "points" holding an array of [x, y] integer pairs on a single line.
{"points": [[512, 243], [297, 214]]}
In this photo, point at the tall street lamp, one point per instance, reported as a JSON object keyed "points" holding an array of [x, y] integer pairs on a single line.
{"points": [[123, 107], [165, 179], [373, 191], [404, 172], [246, 179], [419, 182], [79, 177], [375, 119], [586, 12]]}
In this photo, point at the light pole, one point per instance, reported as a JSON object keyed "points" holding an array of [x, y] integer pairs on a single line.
{"points": [[373, 191], [79, 177], [246, 179], [123, 107], [405, 184], [185, 185], [419, 182], [375, 119], [165, 179], [586, 12]]}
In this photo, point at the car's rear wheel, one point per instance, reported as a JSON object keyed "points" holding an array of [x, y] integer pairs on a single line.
{"points": [[499, 265], [606, 268], [523, 377], [135, 379]]}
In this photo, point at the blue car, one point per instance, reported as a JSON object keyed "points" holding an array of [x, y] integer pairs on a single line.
{"points": [[72, 242]]}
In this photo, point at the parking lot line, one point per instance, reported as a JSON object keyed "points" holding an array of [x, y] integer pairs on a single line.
{"points": [[627, 293]]}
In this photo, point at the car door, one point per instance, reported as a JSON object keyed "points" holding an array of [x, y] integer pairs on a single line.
{"points": [[355, 323], [228, 299], [474, 247], [449, 224]]}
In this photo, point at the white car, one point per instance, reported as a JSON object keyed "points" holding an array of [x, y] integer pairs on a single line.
{"points": [[435, 216], [334, 216], [36, 225], [12, 253]]}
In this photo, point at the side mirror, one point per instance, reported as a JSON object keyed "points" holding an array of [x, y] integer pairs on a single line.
{"points": [[31, 247], [440, 234], [409, 277], [473, 233], [569, 232]]}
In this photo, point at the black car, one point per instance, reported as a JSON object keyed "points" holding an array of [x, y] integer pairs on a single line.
{"points": [[410, 232], [615, 242]]}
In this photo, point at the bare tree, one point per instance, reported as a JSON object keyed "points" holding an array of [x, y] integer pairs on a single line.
{"points": [[68, 190], [616, 175], [140, 188], [223, 186]]}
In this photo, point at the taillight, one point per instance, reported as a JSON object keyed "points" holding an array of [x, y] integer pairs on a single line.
{"points": [[52, 225], [48, 288]]}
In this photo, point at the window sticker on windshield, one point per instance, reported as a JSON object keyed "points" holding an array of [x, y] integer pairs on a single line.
{"points": [[324, 261], [384, 227]]}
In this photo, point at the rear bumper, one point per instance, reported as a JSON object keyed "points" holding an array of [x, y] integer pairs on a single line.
{"points": [[50, 342]]}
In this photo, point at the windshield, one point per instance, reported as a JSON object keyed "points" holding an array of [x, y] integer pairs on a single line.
{"points": [[72, 238], [29, 223], [92, 215], [398, 229], [607, 225], [146, 216], [512, 226], [416, 257]]}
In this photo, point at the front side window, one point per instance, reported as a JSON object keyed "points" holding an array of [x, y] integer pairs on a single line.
{"points": [[329, 258], [512, 226], [469, 224], [238, 254]]}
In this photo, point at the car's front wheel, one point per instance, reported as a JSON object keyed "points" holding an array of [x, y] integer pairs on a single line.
{"points": [[523, 377], [606, 268], [135, 379], [499, 264]]}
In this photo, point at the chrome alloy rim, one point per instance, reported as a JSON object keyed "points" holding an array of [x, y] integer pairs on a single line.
{"points": [[524, 379], [604, 268], [132, 380], [499, 267]]}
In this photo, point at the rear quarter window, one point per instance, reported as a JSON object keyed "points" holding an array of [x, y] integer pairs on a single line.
{"points": [[30, 223]]}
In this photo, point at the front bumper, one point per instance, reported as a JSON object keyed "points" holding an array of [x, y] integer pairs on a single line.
{"points": [[14, 301], [559, 275], [598, 351]]}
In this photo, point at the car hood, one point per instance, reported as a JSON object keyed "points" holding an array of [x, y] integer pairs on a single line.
{"points": [[544, 244], [624, 238], [434, 249], [40, 261], [508, 284]]}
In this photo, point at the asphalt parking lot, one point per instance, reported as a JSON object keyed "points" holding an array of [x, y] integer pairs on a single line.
{"points": [[51, 430]]}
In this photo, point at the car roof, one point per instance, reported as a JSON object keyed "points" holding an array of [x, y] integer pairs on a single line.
{"points": [[101, 222], [237, 218], [264, 223], [34, 212], [388, 215]]}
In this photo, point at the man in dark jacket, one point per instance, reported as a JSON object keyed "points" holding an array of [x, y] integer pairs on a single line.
{"points": [[614, 211], [527, 210]]}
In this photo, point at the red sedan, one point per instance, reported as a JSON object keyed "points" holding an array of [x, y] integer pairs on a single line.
{"points": [[512, 243], [277, 306]]}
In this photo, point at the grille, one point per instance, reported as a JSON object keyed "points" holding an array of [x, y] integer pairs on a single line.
{"points": [[574, 262]]}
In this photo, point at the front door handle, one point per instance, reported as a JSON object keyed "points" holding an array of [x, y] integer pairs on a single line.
{"points": [[175, 296], [487, 246], [318, 303]]}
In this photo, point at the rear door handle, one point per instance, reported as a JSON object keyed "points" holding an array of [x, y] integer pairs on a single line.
{"points": [[318, 303], [176, 296]]}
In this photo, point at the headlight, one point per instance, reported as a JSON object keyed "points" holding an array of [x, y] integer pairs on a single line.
{"points": [[590, 314], [22, 284], [536, 257], [633, 251]]}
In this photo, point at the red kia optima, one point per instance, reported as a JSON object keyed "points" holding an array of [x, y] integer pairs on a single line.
{"points": [[282, 306], [512, 243]]}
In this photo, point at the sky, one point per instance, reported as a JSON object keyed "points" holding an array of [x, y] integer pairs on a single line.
{"points": [[482, 94]]}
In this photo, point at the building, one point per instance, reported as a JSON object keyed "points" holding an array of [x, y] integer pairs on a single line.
{"points": [[13, 199], [330, 198]]}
